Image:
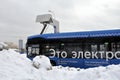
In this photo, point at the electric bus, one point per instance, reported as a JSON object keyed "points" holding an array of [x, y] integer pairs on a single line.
{"points": [[77, 49]]}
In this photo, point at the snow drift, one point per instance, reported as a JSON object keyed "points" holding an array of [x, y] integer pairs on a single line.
{"points": [[15, 66]]}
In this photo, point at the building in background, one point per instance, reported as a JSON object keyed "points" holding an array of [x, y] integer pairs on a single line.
{"points": [[21, 49], [11, 45], [8, 45]]}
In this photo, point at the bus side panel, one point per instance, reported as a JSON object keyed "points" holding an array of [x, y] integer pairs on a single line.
{"points": [[78, 63], [115, 61], [95, 62]]}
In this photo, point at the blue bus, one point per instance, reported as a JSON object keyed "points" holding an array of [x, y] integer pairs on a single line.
{"points": [[77, 49]]}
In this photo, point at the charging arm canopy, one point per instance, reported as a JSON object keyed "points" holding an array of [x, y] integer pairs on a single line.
{"points": [[47, 19]]}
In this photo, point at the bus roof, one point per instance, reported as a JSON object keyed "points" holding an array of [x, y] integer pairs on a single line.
{"points": [[86, 34]]}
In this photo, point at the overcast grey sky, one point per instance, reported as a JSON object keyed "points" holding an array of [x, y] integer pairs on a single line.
{"points": [[17, 17]]}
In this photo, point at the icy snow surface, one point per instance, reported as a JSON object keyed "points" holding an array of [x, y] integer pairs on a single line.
{"points": [[15, 66]]}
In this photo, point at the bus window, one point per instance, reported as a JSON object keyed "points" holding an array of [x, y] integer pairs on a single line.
{"points": [[103, 49], [47, 47], [29, 51], [87, 46], [118, 46], [71, 47], [113, 47], [106, 46], [94, 48]]}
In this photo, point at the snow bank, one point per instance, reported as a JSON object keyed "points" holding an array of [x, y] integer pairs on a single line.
{"points": [[15, 66]]}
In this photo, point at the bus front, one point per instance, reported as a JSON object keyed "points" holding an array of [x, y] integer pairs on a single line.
{"points": [[33, 46]]}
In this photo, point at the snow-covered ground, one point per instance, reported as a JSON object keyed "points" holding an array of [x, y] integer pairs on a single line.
{"points": [[15, 66]]}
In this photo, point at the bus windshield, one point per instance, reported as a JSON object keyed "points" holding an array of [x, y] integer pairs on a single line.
{"points": [[33, 50]]}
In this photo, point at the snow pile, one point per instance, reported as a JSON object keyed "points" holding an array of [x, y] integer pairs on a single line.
{"points": [[15, 66], [42, 62]]}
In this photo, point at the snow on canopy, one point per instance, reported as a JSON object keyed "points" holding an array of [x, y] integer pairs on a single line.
{"points": [[15, 66]]}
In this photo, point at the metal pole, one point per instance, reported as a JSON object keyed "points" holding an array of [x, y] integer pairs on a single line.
{"points": [[45, 25]]}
